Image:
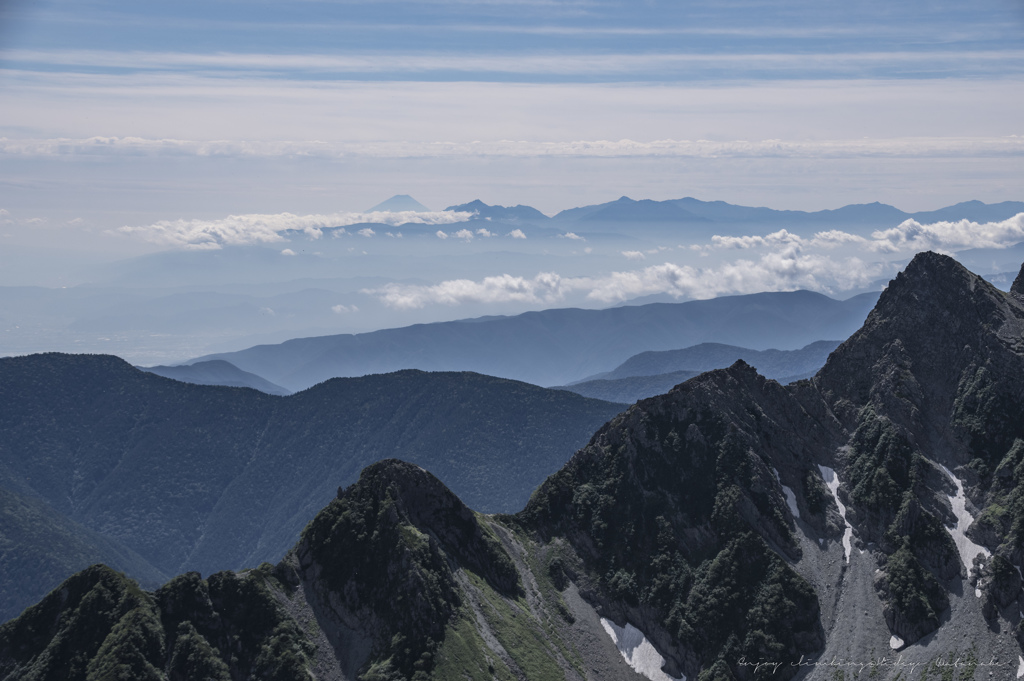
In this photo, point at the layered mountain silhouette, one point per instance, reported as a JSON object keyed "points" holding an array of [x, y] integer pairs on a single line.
{"points": [[502, 213], [652, 373], [689, 209], [168, 476], [217, 372], [868, 518], [557, 347]]}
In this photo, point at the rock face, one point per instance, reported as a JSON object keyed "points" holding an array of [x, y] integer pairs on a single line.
{"points": [[746, 530]]}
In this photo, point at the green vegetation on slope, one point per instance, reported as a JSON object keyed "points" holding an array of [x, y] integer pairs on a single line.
{"points": [[40, 547], [211, 478], [652, 505], [98, 626], [384, 547]]}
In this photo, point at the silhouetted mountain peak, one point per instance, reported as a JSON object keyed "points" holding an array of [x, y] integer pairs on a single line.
{"points": [[399, 203]]}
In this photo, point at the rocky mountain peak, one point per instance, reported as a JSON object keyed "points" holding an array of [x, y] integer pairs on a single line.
{"points": [[933, 325], [1018, 284]]}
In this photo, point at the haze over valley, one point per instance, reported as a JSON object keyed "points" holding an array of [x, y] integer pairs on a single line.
{"points": [[511, 340]]}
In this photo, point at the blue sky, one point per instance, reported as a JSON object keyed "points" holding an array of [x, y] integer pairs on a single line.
{"points": [[123, 114]]}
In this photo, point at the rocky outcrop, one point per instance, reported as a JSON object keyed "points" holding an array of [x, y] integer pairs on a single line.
{"points": [[1000, 585]]}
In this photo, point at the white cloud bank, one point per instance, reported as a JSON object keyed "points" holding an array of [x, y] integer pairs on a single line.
{"points": [[784, 270], [257, 228], [908, 236], [949, 237], [545, 287]]}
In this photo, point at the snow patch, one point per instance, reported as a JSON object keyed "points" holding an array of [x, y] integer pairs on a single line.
{"points": [[790, 497], [1020, 666], [832, 482], [968, 549], [895, 642], [638, 651]]}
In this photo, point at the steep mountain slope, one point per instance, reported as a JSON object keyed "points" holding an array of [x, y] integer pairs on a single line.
{"points": [[208, 478], [733, 528], [40, 547], [217, 372], [556, 347]]}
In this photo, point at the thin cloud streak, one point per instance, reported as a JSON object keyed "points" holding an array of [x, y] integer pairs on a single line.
{"points": [[258, 114], [591, 64], [905, 147]]}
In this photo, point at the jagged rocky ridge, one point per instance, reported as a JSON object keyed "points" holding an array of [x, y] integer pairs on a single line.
{"points": [[705, 518]]}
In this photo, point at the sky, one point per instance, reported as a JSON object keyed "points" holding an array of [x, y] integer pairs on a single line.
{"points": [[118, 111], [120, 118]]}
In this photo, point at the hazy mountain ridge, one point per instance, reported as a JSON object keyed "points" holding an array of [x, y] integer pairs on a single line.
{"points": [[630, 389], [501, 213], [209, 478], [556, 347], [690, 209], [731, 521], [242, 294]]}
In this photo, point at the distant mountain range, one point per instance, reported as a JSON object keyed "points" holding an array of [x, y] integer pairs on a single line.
{"points": [[629, 390], [102, 462], [707, 356], [690, 209], [654, 373], [556, 347], [870, 518], [509, 214]]}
